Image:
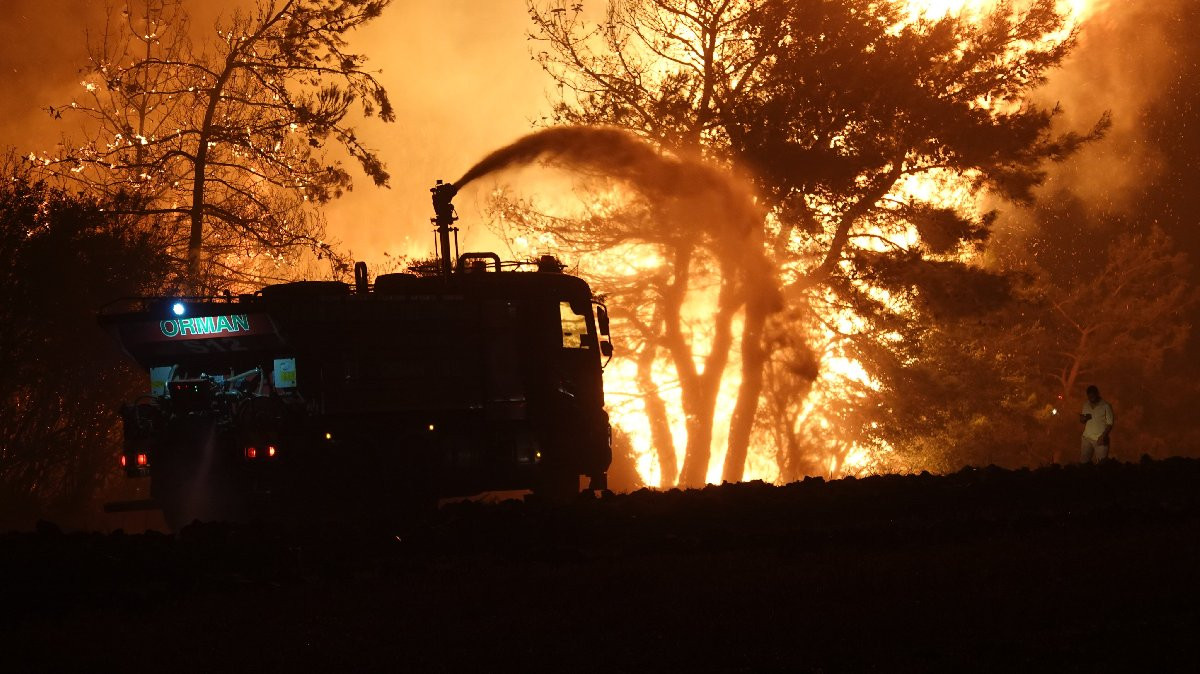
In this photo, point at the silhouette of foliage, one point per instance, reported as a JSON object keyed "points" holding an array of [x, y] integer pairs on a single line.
{"points": [[61, 258], [1114, 294]]}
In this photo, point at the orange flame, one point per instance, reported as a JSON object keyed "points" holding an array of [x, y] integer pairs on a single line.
{"points": [[1074, 10]]}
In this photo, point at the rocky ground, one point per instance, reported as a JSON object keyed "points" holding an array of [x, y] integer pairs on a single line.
{"points": [[1065, 569]]}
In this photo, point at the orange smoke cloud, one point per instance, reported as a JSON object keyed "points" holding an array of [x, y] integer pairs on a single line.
{"points": [[1122, 64], [463, 84]]}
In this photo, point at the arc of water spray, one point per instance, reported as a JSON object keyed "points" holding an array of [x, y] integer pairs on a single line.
{"points": [[724, 206]]}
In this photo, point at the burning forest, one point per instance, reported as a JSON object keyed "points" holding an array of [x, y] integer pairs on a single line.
{"points": [[705, 260], [838, 238]]}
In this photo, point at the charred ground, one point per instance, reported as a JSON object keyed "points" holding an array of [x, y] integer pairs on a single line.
{"points": [[1058, 568]]}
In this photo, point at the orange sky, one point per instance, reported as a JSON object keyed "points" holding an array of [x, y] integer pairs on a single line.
{"points": [[461, 78], [458, 72]]}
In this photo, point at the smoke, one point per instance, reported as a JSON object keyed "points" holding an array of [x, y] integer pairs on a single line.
{"points": [[1124, 63], [43, 53], [462, 82]]}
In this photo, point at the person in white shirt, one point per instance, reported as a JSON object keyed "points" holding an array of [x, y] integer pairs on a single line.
{"points": [[1097, 419]]}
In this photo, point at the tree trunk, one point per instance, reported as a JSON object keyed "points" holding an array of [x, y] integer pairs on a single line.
{"points": [[1069, 379], [700, 397], [656, 415], [196, 214], [746, 409], [699, 444]]}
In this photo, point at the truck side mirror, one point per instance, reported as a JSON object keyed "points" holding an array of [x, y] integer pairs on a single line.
{"points": [[602, 319], [606, 349]]}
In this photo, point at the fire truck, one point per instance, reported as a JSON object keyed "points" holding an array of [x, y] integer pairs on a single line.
{"points": [[369, 399]]}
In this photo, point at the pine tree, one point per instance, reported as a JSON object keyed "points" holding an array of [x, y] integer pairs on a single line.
{"points": [[837, 110]]}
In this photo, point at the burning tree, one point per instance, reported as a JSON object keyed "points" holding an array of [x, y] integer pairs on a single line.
{"points": [[721, 242], [225, 144], [854, 120]]}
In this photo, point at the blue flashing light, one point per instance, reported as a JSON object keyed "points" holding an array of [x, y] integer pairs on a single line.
{"points": [[178, 308]]}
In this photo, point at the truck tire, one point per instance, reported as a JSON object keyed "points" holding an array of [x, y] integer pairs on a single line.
{"points": [[556, 485]]}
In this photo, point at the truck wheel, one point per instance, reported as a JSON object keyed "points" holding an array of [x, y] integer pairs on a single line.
{"points": [[175, 515], [556, 485]]}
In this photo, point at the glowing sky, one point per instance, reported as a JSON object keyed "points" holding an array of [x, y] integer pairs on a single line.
{"points": [[458, 72], [461, 77]]}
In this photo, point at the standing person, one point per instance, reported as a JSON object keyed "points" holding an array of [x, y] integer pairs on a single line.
{"points": [[1097, 419]]}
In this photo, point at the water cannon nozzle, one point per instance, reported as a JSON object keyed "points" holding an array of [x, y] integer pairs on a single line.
{"points": [[443, 206]]}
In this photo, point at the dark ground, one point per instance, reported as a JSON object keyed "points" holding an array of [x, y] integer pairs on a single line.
{"points": [[1060, 569]]}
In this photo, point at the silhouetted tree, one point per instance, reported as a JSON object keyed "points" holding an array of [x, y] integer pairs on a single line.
{"points": [[837, 109], [1096, 299], [1129, 309], [227, 142], [965, 393], [61, 258], [653, 272], [1115, 301]]}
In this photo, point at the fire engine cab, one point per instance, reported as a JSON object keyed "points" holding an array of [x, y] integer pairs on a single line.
{"points": [[317, 397]]}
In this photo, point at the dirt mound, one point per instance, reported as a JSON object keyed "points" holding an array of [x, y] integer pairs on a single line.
{"points": [[983, 569]]}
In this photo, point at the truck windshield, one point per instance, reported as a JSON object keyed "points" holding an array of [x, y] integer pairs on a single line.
{"points": [[574, 327]]}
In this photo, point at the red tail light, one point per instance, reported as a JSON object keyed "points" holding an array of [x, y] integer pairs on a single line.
{"points": [[270, 450], [123, 461], [251, 453], [141, 460]]}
